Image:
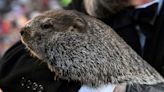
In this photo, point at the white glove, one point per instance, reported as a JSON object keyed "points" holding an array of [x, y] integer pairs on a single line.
{"points": [[104, 88]]}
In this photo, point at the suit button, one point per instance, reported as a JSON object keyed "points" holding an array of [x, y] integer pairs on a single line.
{"points": [[23, 81], [34, 86], [28, 84], [40, 88]]}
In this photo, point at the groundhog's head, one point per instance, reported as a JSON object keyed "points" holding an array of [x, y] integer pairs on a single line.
{"points": [[82, 48], [44, 30]]}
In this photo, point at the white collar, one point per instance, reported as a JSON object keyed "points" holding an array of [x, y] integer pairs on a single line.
{"points": [[147, 4], [150, 3], [160, 5]]}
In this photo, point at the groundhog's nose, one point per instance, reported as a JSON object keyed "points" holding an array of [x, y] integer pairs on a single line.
{"points": [[24, 30]]}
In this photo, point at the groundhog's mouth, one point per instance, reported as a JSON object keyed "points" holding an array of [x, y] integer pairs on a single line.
{"points": [[25, 42], [33, 52]]}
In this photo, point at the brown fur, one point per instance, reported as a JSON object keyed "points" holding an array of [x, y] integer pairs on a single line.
{"points": [[82, 48]]}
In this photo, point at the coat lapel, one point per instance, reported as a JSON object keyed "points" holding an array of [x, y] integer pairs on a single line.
{"points": [[155, 52]]}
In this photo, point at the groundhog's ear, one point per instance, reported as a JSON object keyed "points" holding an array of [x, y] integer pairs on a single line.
{"points": [[79, 25]]}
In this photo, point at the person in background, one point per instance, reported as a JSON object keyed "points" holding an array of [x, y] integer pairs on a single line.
{"points": [[21, 72]]}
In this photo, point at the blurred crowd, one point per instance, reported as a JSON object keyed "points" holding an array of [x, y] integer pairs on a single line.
{"points": [[15, 13]]}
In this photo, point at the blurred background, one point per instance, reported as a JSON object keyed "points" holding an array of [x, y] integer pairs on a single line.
{"points": [[15, 13]]}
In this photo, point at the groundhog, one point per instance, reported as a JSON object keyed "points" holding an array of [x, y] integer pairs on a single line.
{"points": [[81, 48]]}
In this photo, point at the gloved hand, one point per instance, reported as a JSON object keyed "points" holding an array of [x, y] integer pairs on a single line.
{"points": [[145, 88], [104, 88]]}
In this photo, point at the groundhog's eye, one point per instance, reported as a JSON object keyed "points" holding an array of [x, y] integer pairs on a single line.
{"points": [[46, 26]]}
